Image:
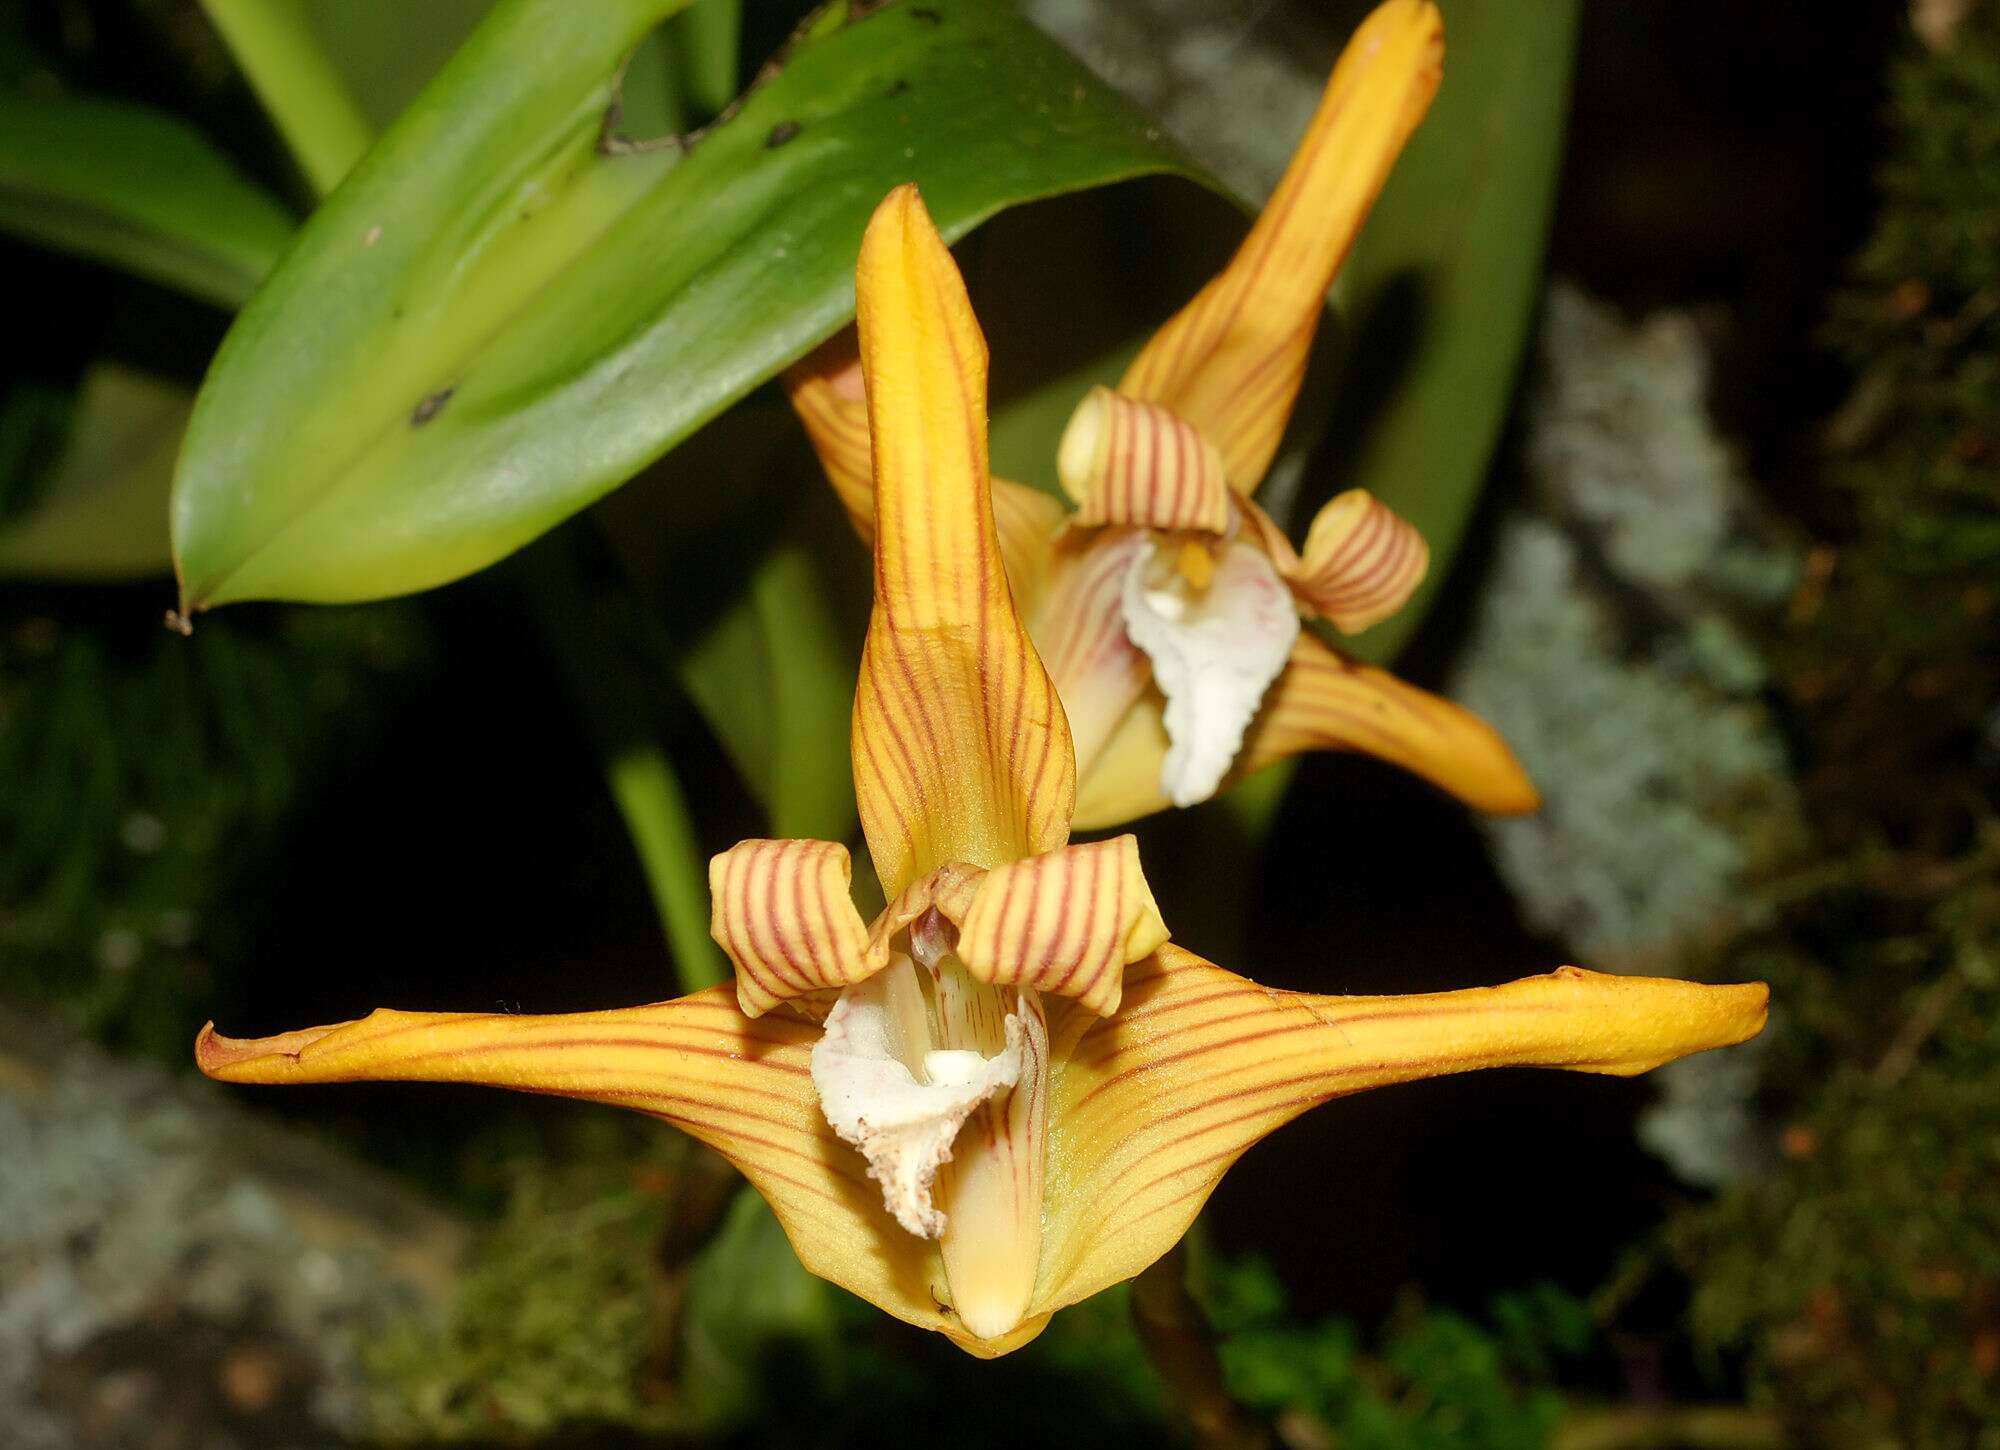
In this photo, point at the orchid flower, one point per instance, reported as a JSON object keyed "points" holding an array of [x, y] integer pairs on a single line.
{"points": [[1009, 1091], [1167, 605]]}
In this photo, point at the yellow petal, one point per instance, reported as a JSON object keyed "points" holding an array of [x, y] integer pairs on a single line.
{"points": [[1231, 361], [1155, 1103], [827, 393], [1068, 923], [744, 1088], [1124, 781], [961, 751], [783, 913], [1326, 701], [1361, 562], [1128, 462], [1079, 627]]}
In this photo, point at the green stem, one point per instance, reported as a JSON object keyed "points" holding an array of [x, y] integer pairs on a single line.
{"points": [[705, 39], [281, 55], [649, 796]]}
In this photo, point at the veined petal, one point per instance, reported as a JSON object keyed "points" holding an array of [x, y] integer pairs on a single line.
{"points": [[1123, 783], [1326, 701], [1079, 628], [1362, 562], [1128, 462], [745, 1088], [1068, 922], [1230, 362], [992, 1191], [1214, 649], [827, 393], [1154, 1104], [784, 914], [961, 750]]}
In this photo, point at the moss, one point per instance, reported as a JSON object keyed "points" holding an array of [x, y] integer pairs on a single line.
{"points": [[1860, 1282]]}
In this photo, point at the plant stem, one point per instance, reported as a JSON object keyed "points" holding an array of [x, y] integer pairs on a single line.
{"points": [[1175, 1333], [281, 55], [649, 797], [705, 39]]}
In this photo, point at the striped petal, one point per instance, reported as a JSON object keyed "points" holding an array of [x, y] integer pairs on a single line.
{"points": [[827, 393], [1326, 701], [961, 751], [1079, 628], [744, 1088], [1361, 562], [1068, 922], [1155, 1103], [1230, 362], [784, 914], [1128, 462]]}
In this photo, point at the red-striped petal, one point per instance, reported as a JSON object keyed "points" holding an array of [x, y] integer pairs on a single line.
{"points": [[961, 749], [1068, 922], [1361, 563], [1129, 462], [783, 912]]}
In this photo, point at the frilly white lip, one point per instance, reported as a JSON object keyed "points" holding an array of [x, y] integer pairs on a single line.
{"points": [[904, 1127], [1214, 651]]}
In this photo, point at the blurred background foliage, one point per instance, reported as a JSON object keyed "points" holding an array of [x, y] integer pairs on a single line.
{"points": [[493, 794]]}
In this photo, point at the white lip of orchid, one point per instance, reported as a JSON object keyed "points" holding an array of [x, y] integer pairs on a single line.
{"points": [[1214, 650], [903, 1126]]}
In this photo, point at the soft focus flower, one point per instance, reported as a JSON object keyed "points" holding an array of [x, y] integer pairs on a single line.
{"points": [[1167, 605], [1008, 1092]]}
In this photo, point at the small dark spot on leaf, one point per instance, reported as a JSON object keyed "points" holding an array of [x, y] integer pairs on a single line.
{"points": [[780, 134], [430, 407], [929, 17], [901, 88]]}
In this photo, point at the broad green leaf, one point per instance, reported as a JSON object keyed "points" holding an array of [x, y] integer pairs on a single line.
{"points": [[101, 515], [1441, 286], [138, 189], [493, 323]]}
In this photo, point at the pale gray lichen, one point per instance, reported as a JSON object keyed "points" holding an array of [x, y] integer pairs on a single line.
{"points": [[1608, 649], [134, 1211], [1234, 86]]}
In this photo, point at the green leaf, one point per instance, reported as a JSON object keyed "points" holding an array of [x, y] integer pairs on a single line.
{"points": [[1441, 286], [138, 189], [493, 323], [101, 514], [280, 51]]}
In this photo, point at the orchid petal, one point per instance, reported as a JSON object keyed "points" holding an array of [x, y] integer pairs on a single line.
{"points": [[783, 912], [1231, 361], [1326, 701], [1123, 783], [1361, 562], [827, 393], [1128, 462], [1080, 630], [881, 1095], [1068, 922], [992, 1190], [744, 1088], [961, 750], [1154, 1104], [1215, 651]]}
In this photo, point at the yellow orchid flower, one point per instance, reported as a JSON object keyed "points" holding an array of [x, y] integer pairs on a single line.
{"points": [[1008, 1092], [1167, 605]]}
